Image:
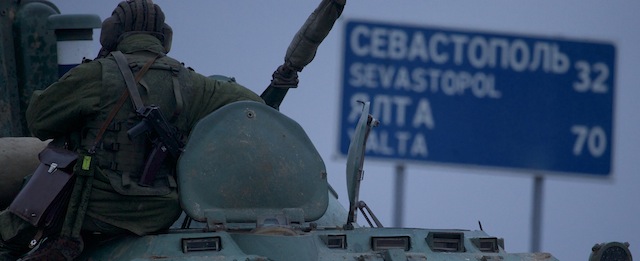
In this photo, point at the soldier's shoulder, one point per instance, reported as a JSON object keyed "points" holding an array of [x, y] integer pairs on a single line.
{"points": [[84, 70]]}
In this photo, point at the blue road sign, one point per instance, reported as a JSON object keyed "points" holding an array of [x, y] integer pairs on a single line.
{"points": [[480, 98]]}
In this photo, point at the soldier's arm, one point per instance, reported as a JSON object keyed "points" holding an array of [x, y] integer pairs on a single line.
{"points": [[215, 93], [62, 107]]}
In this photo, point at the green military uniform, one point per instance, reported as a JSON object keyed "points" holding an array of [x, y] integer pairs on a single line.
{"points": [[78, 104]]}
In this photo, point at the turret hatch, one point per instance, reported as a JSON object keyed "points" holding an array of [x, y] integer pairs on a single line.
{"points": [[247, 160]]}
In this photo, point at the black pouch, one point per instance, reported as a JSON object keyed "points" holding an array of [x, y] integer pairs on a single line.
{"points": [[43, 200]]}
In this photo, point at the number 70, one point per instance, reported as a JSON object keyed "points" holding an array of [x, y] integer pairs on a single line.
{"points": [[594, 138]]}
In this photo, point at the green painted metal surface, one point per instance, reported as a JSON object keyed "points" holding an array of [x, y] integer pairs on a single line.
{"points": [[29, 60], [321, 244], [9, 102], [247, 160], [36, 55]]}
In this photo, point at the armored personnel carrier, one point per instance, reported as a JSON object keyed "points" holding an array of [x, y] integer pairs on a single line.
{"points": [[252, 184]]}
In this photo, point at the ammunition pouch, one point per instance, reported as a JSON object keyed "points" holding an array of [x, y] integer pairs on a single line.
{"points": [[43, 200]]}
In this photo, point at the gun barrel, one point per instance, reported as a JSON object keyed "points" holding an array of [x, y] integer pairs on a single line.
{"points": [[302, 50], [305, 43]]}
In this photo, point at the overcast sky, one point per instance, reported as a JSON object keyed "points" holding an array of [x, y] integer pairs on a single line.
{"points": [[248, 39]]}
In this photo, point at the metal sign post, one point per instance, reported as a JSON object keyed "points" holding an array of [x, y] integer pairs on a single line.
{"points": [[399, 191], [536, 212]]}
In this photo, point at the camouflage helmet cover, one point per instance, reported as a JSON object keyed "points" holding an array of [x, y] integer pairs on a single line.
{"points": [[134, 16]]}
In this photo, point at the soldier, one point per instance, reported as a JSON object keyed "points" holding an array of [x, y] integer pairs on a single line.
{"points": [[78, 104]]}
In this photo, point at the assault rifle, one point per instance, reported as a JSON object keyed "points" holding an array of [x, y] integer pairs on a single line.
{"points": [[165, 139]]}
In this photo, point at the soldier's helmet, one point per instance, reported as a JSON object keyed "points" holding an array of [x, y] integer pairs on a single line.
{"points": [[131, 17]]}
